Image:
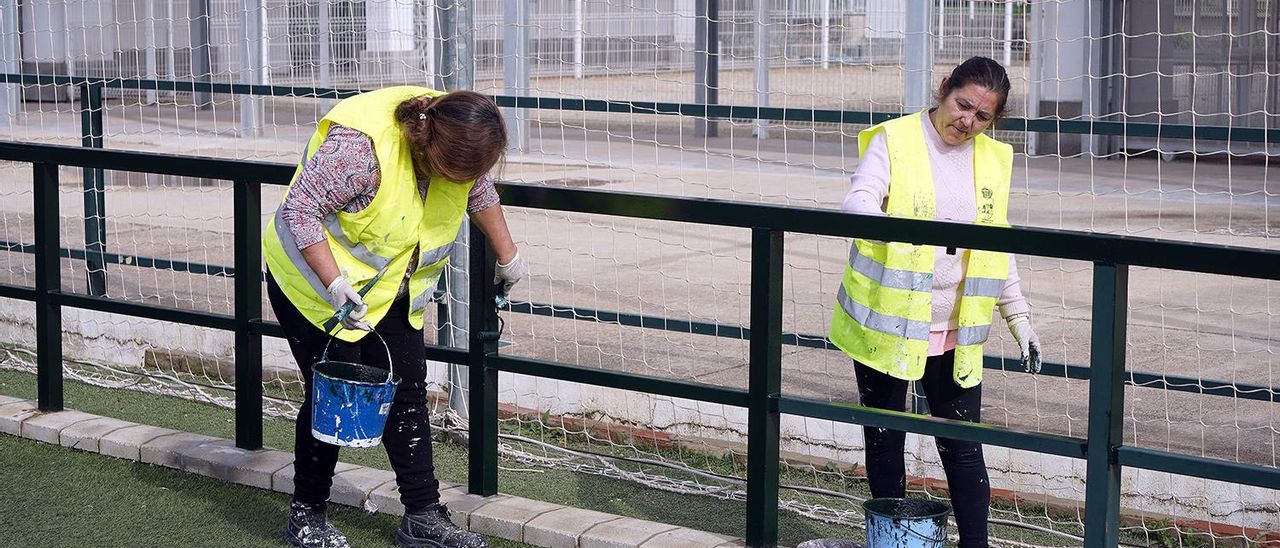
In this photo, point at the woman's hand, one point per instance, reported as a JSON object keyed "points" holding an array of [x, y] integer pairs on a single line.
{"points": [[510, 273], [340, 294], [511, 266], [1020, 326]]}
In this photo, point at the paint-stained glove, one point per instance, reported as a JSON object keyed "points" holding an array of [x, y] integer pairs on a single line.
{"points": [[1020, 326], [510, 273], [341, 293]]}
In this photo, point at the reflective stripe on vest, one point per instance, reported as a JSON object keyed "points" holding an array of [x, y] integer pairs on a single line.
{"points": [[890, 325], [884, 303], [426, 262], [889, 277], [983, 287], [356, 249], [290, 246]]}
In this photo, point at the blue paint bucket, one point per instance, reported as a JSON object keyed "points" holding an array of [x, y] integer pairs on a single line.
{"points": [[350, 401], [906, 523]]}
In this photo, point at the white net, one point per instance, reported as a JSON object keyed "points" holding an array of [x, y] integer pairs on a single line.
{"points": [[1206, 343]]}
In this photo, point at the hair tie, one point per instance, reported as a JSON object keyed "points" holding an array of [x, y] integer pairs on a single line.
{"points": [[422, 115]]}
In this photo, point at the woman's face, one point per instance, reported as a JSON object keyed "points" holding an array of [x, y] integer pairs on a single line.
{"points": [[965, 112]]}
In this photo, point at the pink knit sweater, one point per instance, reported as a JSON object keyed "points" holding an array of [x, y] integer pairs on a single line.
{"points": [[953, 188]]}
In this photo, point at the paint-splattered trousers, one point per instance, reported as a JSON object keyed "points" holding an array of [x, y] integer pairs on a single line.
{"points": [[961, 460], [407, 436]]}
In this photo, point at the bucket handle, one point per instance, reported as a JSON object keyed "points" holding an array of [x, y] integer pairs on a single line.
{"points": [[391, 366]]}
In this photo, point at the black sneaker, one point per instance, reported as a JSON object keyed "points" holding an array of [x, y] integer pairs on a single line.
{"points": [[432, 528], [309, 528]]}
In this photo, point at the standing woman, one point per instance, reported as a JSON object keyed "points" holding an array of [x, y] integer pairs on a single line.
{"points": [[909, 312], [384, 187]]}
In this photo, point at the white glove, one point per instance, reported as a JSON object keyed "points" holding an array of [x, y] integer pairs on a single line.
{"points": [[341, 293], [510, 273], [1020, 326]]}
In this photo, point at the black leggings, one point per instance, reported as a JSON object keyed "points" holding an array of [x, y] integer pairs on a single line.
{"points": [[407, 435], [966, 471]]}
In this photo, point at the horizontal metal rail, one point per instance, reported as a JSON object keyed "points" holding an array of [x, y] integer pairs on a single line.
{"points": [[870, 417], [202, 167], [1064, 244], [140, 261], [1072, 126], [626, 381], [1199, 467]]}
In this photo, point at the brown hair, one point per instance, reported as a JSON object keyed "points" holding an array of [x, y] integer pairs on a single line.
{"points": [[459, 136], [983, 71]]}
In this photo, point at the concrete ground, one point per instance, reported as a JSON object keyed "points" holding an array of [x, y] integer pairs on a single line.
{"points": [[1201, 326]]}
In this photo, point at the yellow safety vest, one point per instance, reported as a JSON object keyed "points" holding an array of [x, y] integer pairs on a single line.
{"points": [[885, 302], [384, 234]]}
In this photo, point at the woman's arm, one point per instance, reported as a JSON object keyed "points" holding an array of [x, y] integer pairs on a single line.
{"points": [[494, 226], [1012, 302], [869, 185], [483, 195], [342, 174]]}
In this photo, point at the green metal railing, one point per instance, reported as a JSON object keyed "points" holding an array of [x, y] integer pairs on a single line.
{"points": [[1103, 449]]}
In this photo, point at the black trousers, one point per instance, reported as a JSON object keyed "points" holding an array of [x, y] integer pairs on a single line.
{"points": [[963, 462], [407, 435]]}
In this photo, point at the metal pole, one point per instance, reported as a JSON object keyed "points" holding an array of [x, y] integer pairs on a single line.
{"points": [[149, 46], [1096, 69], [1106, 405], [248, 308], [64, 34], [706, 62], [942, 9], [459, 63], [432, 51], [764, 387], [579, 27], [515, 69], [918, 79], [171, 61], [458, 72], [48, 281], [1008, 32], [10, 60], [456, 306], [1035, 45], [826, 34], [201, 64], [762, 65], [482, 434], [95, 209], [324, 42], [251, 67]]}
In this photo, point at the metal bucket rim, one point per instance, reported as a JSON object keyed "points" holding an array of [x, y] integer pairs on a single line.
{"points": [[944, 511], [392, 378]]}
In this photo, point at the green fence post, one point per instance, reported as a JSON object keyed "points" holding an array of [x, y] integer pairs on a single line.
{"points": [[482, 401], [95, 209], [248, 290], [765, 378], [1106, 405], [48, 282]]}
